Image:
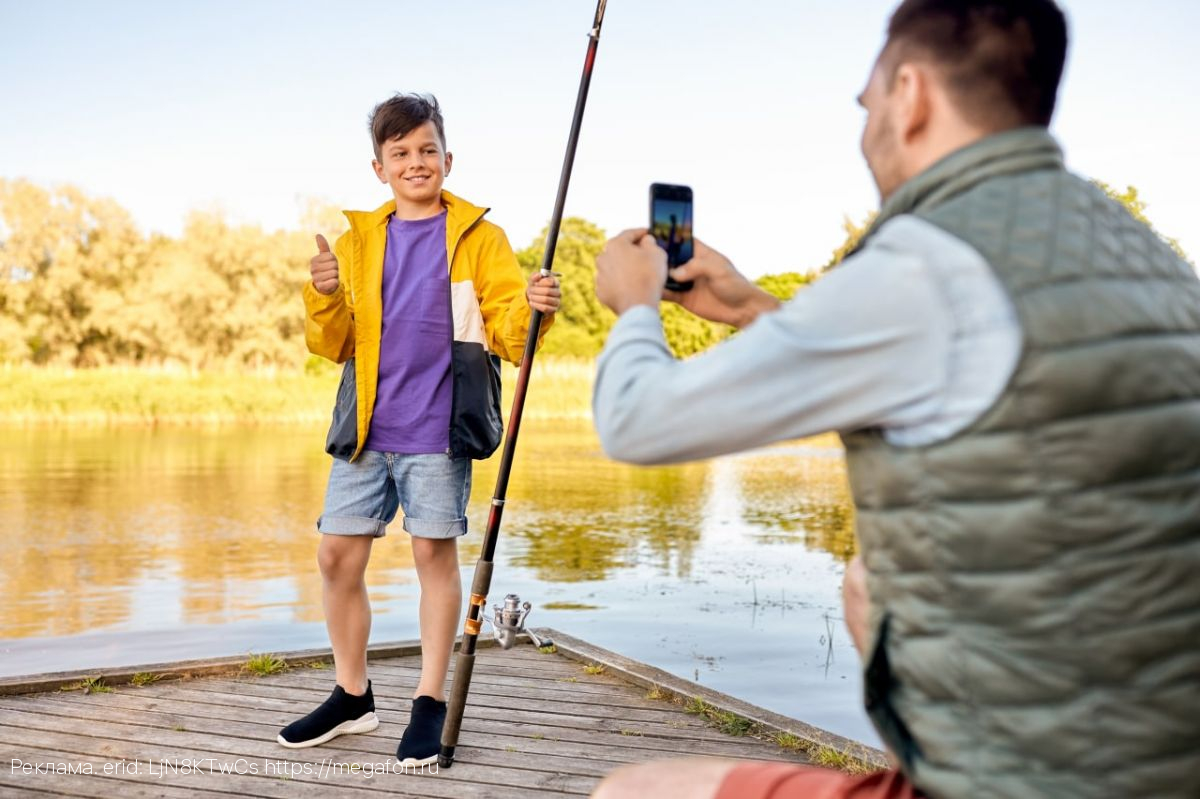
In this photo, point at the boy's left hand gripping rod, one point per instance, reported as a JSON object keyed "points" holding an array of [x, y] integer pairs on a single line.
{"points": [[482, 582]]}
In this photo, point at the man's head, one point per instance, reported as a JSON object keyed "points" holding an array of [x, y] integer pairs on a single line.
{"points": [[954, 71], [410, 148]]}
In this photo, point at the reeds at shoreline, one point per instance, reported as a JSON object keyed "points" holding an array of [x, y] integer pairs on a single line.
{"points": [[560, 388]]}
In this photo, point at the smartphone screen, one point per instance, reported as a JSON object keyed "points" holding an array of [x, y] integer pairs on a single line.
{"points": [[671, 226], [671, 221]]}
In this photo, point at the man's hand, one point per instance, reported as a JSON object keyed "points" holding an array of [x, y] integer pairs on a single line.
{"points": [[324, 268], [631, 271], [543, 293], [720, 293]]}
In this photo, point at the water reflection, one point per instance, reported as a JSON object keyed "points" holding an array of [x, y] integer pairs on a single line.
{"points": [[102, 523], [726, 571]]}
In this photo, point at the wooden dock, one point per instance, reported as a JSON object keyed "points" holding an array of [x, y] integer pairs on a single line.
{"points": [[536, 724]]}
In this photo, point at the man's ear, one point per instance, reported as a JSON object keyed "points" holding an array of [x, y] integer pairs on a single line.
{"points": [[911, 88], [449, 160], [378, 167]]}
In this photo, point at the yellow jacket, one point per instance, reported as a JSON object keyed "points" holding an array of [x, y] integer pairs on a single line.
{"points": [[488, 306]]}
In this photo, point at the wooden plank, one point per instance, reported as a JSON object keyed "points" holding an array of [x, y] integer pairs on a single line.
{"points": [[131, 741], [315, 689], [638, 735], [577, 684], [632, 737], [96, 785], [550, 678], [624, 697], [611, 749], [550, 714], [544, 756], [10, 787], [52, 681], [649, 677], [535, 723], [145, 784]]}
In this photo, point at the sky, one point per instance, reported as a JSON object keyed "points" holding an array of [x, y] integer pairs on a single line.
{"points": [[256, 107]]}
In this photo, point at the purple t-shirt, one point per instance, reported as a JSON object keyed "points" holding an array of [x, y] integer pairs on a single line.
{"points": [[412, 400]]}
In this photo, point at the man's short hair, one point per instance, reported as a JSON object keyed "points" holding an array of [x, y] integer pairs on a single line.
{"points": [[1001, 59], [398, 115]]}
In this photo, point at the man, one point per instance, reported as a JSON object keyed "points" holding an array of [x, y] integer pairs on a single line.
{"points": [[1013, 363]]}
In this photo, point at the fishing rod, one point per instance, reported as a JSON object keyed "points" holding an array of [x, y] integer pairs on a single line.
{"points": [[482, 581]]}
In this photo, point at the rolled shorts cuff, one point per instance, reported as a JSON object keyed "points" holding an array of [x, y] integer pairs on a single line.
{"points": [[428, 528], [351, 525]]}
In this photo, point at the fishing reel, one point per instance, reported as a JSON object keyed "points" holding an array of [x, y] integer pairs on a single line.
{"points": [[510, 622]]}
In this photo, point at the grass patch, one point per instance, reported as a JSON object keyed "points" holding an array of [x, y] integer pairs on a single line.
{"points": [[109, 396], [144, 678], [822, 755], [548, 650], [567, 679], [792, 743], [635, 733], [725, 721], [318, 665], [831, 758], [660, 695], [264, 664], [89, 685], [732, 723], [594, 668], [179, 728], [570, 606], [121, 396], [740, 726]]}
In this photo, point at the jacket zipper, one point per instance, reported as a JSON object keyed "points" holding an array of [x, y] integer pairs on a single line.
{"points": [[450, 253]]}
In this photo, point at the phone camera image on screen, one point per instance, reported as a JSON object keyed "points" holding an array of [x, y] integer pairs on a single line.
{"points": [[671, 226]]}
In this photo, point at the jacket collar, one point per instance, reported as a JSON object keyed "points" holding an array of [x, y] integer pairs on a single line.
{"points": [[1009, 152], [460, 216]]}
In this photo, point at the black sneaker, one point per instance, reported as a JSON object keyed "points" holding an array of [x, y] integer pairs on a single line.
{"points": [[340, 714], [422, 739]]}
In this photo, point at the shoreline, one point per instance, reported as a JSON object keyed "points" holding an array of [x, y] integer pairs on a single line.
{"points": [[39, 397]]}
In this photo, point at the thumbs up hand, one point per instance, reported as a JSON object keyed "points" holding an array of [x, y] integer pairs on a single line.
{"points": [[324, 268]]}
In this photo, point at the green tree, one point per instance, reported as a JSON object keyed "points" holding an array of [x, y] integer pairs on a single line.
{"points": [[784, 285], [854, 233], [688, 334], [1137, 209], [582, 324], [69, 265]]}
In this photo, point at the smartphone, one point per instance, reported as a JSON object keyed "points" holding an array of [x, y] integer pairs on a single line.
{"points": [[671, 226]]}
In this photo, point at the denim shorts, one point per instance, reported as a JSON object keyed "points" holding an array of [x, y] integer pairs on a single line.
{"points": [[363, 496]]}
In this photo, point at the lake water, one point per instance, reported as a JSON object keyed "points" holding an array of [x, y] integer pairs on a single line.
{"points": [[129, 546]]}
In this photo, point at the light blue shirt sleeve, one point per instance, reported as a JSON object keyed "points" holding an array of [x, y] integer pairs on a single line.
{"points": [[876, 342]]}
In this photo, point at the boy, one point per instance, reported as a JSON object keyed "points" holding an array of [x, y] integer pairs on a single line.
{"points": [[425, 295]]}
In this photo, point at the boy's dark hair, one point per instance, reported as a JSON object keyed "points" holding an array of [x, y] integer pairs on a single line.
{"points": [[1001, 59], [396, 116]]}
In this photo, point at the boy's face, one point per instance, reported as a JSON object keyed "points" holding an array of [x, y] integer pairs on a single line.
{"points": [[414, 165]]}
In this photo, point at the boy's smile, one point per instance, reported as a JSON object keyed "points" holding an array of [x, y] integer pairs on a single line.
{"points": [[415, 166]]}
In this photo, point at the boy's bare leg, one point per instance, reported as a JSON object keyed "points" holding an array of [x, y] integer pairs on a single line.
{"points": [[343, 561], [441, 607]]}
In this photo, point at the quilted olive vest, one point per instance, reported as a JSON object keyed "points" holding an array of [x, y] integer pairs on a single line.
{"points": [[1035, 579]]}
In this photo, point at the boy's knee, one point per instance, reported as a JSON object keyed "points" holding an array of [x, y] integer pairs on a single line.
{"points": [[342, 557], [435, 551]]}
